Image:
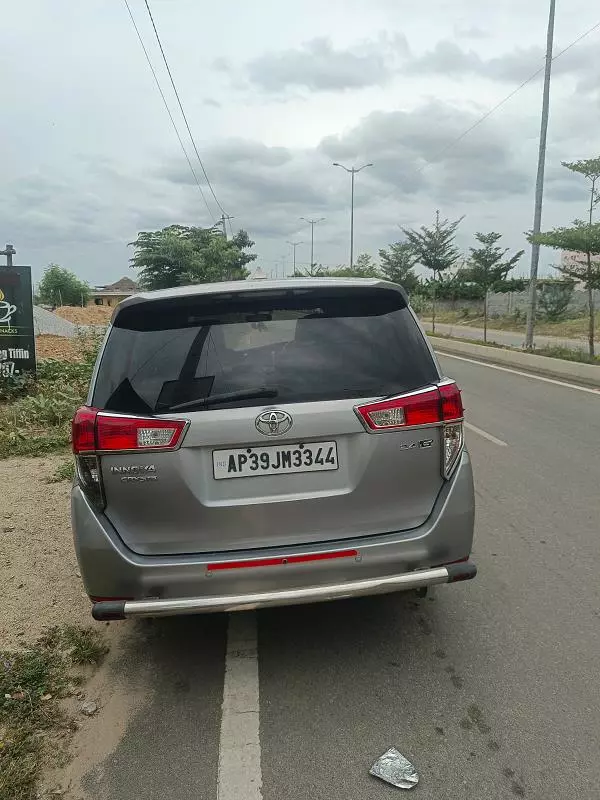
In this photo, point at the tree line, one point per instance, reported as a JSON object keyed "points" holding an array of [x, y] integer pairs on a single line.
{"points": [[178, 255]]}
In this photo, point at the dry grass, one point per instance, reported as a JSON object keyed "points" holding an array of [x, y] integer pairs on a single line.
{"points": [[576, 328], [552, 351], [47, 346]]}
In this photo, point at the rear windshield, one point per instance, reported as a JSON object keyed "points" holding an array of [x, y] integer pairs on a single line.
{"points": [[298, 345]]}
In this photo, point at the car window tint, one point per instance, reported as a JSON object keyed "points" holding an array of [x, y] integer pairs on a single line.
{"points": [[335, 347]]}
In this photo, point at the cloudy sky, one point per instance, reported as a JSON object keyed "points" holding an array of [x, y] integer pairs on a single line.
{"points": [[275, 91]]}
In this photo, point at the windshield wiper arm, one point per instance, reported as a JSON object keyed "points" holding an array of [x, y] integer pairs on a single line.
{"points": [[226, 397]]}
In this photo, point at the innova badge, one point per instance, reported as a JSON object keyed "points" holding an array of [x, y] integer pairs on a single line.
{"points": [[273, 422]]}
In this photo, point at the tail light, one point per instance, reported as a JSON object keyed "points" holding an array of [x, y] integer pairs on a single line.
{"points": [[100, 431], [440, 405], [95, 431]]}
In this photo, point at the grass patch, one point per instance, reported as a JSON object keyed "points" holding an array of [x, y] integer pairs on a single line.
{"points": [[35, 415], [64, 472], [437, 335], [564, 353], [32, 683], [567, 354], [84, 645], [572, 328]]}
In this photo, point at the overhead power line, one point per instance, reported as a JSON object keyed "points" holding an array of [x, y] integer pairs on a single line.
{"points": [[209, 184], [505, 100], [164, 99]]}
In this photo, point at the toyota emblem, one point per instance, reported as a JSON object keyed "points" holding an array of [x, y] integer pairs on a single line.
{"points": [[273, 423]]}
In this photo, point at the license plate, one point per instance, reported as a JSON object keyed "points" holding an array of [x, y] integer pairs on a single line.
{"points": [[249, 462]]}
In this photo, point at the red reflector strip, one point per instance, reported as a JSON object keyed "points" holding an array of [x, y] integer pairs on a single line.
{"points": [[279, 562]]}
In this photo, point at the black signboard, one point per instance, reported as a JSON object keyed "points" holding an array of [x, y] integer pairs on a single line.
{"points": [[17, 337]]}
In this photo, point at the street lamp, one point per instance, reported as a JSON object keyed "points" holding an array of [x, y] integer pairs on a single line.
{"points": [[312, 223], [352, 171], [294, 246]]}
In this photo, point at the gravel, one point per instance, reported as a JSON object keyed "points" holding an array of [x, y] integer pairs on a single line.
{"points": [[38, 582], [47, 322]]}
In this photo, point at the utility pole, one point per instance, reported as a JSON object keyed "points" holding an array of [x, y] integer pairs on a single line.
{"points": [[352, 171], [312, 223], [222, 221], [9, 251], [294, 246], [539, 185]]}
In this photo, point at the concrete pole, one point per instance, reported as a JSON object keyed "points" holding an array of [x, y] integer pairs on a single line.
{"points": [[539, 185]]}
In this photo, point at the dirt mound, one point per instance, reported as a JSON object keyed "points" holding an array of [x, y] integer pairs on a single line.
{"points": [[90, 315], [47, 346]]}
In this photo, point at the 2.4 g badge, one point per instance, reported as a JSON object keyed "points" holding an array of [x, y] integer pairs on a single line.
{"points": [[413, 445]]}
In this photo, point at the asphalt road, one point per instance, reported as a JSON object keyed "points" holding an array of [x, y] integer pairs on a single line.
{"points": [[509, 338], [491, 687]]}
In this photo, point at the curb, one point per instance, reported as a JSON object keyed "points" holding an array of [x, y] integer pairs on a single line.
{"points": [[586, 374]]}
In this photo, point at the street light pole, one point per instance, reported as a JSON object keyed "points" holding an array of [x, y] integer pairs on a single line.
{"points": [[312, 223], [352, 171], [539, 185], [294, 246]]}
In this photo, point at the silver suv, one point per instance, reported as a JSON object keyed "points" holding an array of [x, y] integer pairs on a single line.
{"points": [[265, 443]]}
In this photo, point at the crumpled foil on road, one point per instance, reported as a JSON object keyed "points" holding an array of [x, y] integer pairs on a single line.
{"points": [[392, 767]]}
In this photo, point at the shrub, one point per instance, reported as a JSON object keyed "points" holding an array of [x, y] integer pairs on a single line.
{"points": [[35, 414]]}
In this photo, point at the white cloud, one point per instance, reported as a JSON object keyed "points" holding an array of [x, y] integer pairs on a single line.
{"points": [[274, 95]]}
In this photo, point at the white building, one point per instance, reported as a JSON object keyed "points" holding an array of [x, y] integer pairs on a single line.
{"points": [[258, 275]]}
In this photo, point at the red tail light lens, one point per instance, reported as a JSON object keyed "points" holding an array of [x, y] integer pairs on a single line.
{"points": [[452, 407], [133, 433], [94, 430], [427, 407], [422, 408], [83, 430]]}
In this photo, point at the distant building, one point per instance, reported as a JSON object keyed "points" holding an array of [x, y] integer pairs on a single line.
{"points": [[569, 258], [113, 293], [258, 275]]}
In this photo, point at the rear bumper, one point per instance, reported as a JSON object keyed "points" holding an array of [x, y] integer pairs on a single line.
{"points": [[122, 609], [137, 585]]}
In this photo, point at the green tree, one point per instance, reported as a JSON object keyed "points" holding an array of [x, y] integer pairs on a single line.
{"points": [[397, 265], [583, 237], [589, 168], [180, 255], [435, 248], [513, 285], [364, 267], [313, 271], [60, 287], [554, 298], [455, 286], [488, 268]]}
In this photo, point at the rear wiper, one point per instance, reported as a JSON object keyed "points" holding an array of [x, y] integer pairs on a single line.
{"points": [[226, 397]]}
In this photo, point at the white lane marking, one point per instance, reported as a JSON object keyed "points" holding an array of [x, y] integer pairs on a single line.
{"points": [[485, 435], [523, 374], [240, 776]]}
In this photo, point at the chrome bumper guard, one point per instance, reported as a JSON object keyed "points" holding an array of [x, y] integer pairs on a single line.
{"points": [[122, 609]]}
